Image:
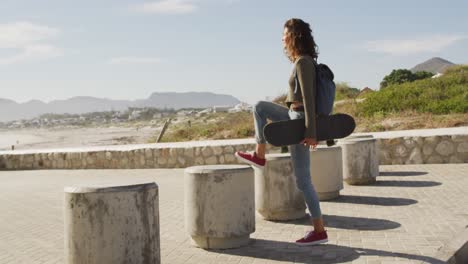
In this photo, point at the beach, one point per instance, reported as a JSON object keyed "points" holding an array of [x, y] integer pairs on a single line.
{"points": [[75, 137]]}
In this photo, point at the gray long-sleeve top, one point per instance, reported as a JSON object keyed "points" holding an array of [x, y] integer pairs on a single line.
{"points": [[303, 88]]}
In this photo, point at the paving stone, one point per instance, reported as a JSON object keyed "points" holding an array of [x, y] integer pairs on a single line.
{"points": [[396, 220]]}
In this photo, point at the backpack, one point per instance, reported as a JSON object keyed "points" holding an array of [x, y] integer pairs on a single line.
{"points": [[326, 89]]}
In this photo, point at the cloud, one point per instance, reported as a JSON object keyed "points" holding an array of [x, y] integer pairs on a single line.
{"points": [[29, 39], [434, 43], [167, 7], [33, 52], [175, 7], [134, 60], [13, 35]]}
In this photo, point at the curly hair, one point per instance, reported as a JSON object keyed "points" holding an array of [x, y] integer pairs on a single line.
{"points": [[301, 39]]}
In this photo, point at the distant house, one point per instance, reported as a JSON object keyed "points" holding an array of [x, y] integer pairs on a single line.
{"points": [[437, 75], [217, 109], [134, 115], [241, 107], [206, 111], [364, 91]]}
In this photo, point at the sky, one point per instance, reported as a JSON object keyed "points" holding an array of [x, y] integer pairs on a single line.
{"points": [[128, 49]]}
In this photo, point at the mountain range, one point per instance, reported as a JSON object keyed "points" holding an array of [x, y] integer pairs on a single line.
{"points": [[11, 110], [434, 65]]}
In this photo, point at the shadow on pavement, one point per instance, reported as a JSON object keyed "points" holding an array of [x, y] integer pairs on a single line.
{"points": [[402, 173], [384, 183], [350, 223], [372, 200], [326, 253]]}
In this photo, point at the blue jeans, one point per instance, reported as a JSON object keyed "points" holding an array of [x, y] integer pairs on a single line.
{"points": [[300, 154]]}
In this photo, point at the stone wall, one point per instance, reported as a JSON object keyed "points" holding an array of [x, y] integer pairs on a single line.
{"points": [[145, 156], [397, 150], [423, 150]]}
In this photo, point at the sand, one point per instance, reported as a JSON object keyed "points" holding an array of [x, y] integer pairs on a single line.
{"points": [[75, 137]]}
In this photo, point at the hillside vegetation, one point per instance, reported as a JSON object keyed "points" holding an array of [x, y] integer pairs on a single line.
{"points": [[211, 126], [344, 92], [400, 76], [427, 103], [444, 95]]}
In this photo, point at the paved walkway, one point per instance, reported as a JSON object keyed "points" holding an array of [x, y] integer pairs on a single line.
{"points": [[404, 218]]}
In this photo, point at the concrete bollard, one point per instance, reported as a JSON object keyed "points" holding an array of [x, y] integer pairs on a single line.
{"points": [[276, 194], [360, 161], [326, 171], [112, 224], [219, 205]]}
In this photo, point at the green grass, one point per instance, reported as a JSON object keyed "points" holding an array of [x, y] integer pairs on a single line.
{"points": [[212, 126], [444, 95]]}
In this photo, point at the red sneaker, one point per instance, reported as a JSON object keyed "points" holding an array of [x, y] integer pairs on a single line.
{"points": [[313, 238], [250, 158]]}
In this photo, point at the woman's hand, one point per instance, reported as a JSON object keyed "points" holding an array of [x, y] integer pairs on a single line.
{"points": [[311, 142]]}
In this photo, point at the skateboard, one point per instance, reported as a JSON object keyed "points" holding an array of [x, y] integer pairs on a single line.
{"points": [[291, 132]]}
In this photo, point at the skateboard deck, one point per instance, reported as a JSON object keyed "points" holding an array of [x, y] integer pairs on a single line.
{"points": [[291, 132]]}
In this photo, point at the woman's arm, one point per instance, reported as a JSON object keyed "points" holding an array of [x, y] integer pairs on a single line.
{"points": [[305, 70]]}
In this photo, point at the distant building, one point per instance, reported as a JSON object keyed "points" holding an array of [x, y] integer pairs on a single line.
{"points": [[437, 75], [206, 111], [217, 109], [365, 91], [134, 115], [241, 107]]}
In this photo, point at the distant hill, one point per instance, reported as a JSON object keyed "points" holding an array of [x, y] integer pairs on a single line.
{"points": [[11, 110], [187, 100], [433, 65], [6, 101]]}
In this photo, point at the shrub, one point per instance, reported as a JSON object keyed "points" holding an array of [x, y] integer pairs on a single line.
{"points": [[400, 76], [443, 95]]}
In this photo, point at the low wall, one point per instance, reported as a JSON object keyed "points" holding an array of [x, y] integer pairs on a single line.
{"points": [[396, 147], [423, 150], [175, 155]]}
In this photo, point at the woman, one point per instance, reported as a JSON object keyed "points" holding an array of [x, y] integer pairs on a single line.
{"points": [[301, 50]]}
